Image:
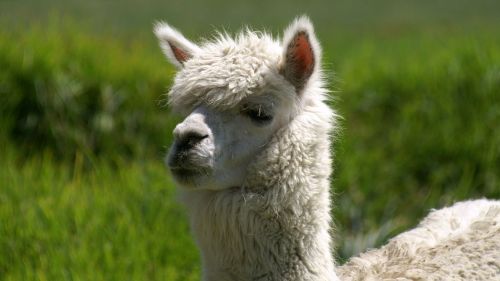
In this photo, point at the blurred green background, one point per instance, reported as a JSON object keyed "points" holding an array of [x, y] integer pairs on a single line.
{"points": [[84, 194]]}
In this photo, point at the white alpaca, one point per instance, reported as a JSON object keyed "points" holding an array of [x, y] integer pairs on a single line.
{"points": [[252, 154]]}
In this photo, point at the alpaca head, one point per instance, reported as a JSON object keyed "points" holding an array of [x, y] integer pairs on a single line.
{"points": [[235, 94]]}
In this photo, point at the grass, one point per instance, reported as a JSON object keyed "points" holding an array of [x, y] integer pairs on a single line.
{"points": [[62, 90], [84, 194], [108, 223], [132, 19]]}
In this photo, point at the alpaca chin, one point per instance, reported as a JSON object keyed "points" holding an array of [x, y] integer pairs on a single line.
{"points": [[184, 169], [186, 178]]}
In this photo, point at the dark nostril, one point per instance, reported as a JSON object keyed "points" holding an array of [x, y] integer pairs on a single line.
{"points": [[189, 140]]}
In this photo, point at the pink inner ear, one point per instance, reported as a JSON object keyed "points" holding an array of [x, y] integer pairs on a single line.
{"points": [[179, 54], [303, 56]]}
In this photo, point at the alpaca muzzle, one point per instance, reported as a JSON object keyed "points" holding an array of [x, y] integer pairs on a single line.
{"points": [[189, 155]]}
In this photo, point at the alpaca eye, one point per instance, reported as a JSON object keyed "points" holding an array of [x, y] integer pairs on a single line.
{"points": [[257, 115]]}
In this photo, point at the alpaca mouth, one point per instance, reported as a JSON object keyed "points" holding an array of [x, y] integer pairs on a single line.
{"points": [[183, 175], [183, 172], [187, 175]]}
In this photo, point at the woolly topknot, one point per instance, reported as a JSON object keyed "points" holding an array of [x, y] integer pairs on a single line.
{"points": [[225, 70]]}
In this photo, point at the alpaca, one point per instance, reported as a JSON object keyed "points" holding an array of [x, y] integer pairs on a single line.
{"points": [[252, 156], [461, 242]]}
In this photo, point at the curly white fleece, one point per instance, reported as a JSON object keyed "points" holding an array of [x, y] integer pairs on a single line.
{"points": [[461, 242], [225, 71]]}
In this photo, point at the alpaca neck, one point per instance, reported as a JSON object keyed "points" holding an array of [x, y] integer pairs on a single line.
{"points": [[277, 226]]}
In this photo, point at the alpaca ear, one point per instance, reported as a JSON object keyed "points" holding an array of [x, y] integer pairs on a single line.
{"points": [[301, 54], [174, 45]]}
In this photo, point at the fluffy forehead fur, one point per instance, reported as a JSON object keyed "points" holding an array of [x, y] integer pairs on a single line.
{"points": [[224, 71]]}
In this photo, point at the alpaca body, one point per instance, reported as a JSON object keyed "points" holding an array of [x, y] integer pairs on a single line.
{"points": [[461, 242]]}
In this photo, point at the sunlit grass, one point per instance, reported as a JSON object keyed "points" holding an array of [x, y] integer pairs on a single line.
{"points": [[117, 222]]}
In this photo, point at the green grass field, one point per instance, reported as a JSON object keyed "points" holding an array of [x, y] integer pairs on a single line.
{"points": [[84, 194], [59, 222]]}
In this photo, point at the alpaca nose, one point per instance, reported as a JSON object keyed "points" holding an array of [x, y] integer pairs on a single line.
{"points": [[187, 151], [189, 139], [190, 132]]}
